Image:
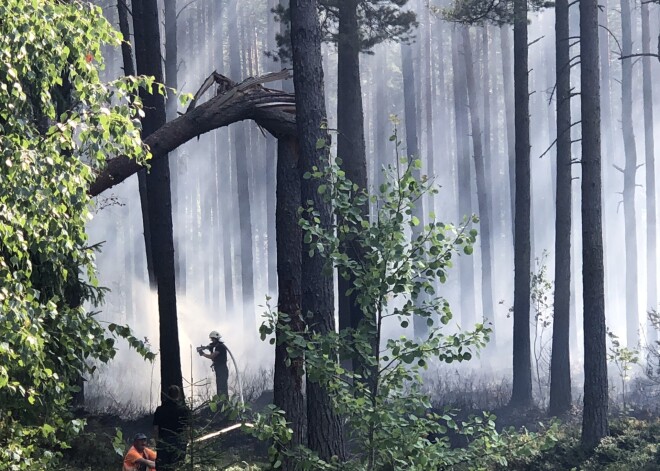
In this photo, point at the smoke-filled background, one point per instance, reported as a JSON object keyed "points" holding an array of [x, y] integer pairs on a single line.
{"points": [[223, 184]]}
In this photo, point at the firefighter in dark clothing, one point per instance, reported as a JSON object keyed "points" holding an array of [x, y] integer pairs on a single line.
{"points": [[218, 354], [170, 420]]}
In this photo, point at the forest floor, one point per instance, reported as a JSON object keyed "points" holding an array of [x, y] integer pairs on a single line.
{"points": [[634, 444]]}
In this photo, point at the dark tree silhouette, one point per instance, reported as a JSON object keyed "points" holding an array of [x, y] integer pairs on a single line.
{"points": [[325, 433], [560, 374], [146, 27], [594, 418]]}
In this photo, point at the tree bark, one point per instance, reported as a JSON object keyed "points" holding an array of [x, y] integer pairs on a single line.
{"points": [[148, 60], [483, 200], [630, 171], [350, 141], [560, 367], [594, 418], [262, 105], [325, 433], [287, 388], [521, 395]]}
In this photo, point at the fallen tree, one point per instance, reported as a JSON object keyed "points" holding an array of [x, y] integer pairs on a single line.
{"points": [[273, 110]]}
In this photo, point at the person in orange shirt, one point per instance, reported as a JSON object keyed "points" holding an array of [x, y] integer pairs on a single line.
{"points": [[139, 457]]}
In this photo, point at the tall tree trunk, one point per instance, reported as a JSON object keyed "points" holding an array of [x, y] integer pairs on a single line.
{"points": [[129, 69], [428, 100], [287, 387], [560, 366], [325, 433], [241, 159], [171, 72], [382, 159], [350, 139], [509, 113], [594, 418], [630, 171], [465, 263], [649, 151], [148, 60], [488, 308], [271, 171], [521, 395], [420, 327]]}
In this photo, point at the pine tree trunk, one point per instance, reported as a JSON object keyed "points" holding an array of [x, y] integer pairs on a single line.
{"points": [[560, 373], [649, 151], [148, 60], [325, 433], [350, 139], [287, 388], [465, 263], [239, 136], [505, 38], [630, 171], [482, 191], [521, 395], [429, 205], [594, 418], [420, 327]]}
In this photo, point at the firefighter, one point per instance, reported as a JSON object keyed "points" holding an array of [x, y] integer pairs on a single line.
{"points": [[218, 355]]}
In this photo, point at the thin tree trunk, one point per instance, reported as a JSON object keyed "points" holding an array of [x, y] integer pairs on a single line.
{"points": [[148, 60], [630, 171], [649, 151], [509, 112], [594, 418], [428, 101], [325, 433], [129, 69], [420, 327], [242, 184], [560, 366], [482, 191], [521, 395], [465, 263]]}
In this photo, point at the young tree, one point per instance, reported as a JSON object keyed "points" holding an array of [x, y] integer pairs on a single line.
{"points": [[325, 433], [594, 418]]}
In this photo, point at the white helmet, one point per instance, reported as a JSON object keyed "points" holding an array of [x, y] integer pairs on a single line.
{"points": [[215, 335]]}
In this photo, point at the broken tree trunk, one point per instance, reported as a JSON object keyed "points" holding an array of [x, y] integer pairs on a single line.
{"points": [[273, 110]]}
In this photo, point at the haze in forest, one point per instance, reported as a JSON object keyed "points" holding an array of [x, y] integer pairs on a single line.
{"points": [[204, 173]]}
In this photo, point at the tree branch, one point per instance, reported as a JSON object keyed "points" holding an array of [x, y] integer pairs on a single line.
{"points": [[273, 110]]}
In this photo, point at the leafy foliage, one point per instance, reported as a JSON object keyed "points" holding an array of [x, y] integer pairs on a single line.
{"points": [[379, 21], [476, 12], [623, 358], [388, 416], [58, 122]]}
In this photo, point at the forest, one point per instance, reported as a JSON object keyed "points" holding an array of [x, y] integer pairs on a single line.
{"points": [[418, 235]]}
